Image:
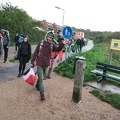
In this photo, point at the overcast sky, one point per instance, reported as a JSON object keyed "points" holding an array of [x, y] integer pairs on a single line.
{"points": [[96, 15]]}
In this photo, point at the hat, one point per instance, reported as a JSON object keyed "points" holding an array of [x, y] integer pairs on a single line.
{"points": [[50, 34], [2, 30]]}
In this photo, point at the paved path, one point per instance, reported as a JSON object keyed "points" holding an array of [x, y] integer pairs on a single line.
{"points": [[9, 71], [85, 48]]}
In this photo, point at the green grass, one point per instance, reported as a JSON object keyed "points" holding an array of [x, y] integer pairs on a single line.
{"points": [[111, 98], [100, 53], [13, 60]]}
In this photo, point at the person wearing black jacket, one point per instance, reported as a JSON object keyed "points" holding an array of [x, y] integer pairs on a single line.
{"points": [[80, 44], [16, 42], [24, 55]]}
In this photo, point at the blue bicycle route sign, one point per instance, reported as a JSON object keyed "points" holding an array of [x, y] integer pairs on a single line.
{"points": [[67, 32]]}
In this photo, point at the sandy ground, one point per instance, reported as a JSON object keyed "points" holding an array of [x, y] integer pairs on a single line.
{"points": [[21, 101]]}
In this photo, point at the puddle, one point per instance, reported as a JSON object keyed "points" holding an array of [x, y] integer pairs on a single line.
{"points": [[105, 86]]}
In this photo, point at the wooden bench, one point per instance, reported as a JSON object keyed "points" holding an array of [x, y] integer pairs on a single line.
{"points": [[102, 69]]}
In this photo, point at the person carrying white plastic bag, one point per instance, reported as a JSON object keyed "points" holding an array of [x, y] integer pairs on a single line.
{"points": [[42, 55], [29, 76]]}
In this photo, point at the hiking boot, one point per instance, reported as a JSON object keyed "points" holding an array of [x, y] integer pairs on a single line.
{"points": [[42, 97], [48, 77], [4, 62], [19, 75]]}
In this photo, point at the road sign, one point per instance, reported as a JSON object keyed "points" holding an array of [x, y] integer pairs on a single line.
{"points": [[67, 32], [115, 44]]}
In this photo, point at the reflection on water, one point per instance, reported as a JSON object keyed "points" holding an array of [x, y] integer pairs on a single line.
{"points": [[105, 86]]}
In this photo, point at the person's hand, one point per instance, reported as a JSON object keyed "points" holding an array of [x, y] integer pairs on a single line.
{"points": [[31, 65]]}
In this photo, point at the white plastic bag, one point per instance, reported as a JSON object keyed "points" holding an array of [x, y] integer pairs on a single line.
{"points": [[29, 76]]}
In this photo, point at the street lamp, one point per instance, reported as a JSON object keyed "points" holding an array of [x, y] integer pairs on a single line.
{"points": [[63, 14]]}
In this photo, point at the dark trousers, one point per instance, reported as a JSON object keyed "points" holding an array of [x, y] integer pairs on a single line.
{"points": [[23, 60], [5, 47], [16, 45]]}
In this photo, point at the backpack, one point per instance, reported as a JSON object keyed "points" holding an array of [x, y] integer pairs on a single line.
{"points": [[53, 54], [20, 39], [41, 47]]}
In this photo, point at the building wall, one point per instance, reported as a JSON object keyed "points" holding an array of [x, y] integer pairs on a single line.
{"points": [[44, 25], [49, 26]]}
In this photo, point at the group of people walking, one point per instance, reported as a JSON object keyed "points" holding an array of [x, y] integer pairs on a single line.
{"points": [[45, 53]]}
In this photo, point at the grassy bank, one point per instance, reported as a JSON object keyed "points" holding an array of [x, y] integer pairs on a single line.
{"points": [[100, 53]]}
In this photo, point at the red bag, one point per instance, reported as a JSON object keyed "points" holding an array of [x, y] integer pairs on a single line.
{"points": [[29, 76]]}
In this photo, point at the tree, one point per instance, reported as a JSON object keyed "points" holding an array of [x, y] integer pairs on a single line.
{"points": [[15, 20]]}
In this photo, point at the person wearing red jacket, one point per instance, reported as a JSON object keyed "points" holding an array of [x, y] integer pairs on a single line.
{"points": [[54, 54], [60, 55]]}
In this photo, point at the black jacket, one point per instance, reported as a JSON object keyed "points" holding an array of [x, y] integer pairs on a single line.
{"points": [[24, 49]]}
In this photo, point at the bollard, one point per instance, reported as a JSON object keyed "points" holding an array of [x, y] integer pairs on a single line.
{"points": [[76, 59], [78, 80]]}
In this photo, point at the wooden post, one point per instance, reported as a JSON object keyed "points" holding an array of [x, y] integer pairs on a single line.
{"points": [[78, 81], [110, 58]]}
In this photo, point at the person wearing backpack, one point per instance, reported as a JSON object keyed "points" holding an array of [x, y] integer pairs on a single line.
{"points": [[21, 38], [24, 55], [1, 44], [42, 55], [6, 43]]}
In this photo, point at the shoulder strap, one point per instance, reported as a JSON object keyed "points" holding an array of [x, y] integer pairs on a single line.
{"points": [[41, 46], [52, 46]]}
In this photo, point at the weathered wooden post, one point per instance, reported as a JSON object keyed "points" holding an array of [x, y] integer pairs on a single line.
{"points": [[110, 58], [79, 68]]}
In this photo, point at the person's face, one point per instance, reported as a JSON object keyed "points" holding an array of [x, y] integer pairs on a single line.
{"points": [[60, 35], [25, 39], [3, 32], [49, 38]]}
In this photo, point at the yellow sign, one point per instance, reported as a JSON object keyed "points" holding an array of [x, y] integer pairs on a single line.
{"points": [[115, 44]]}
